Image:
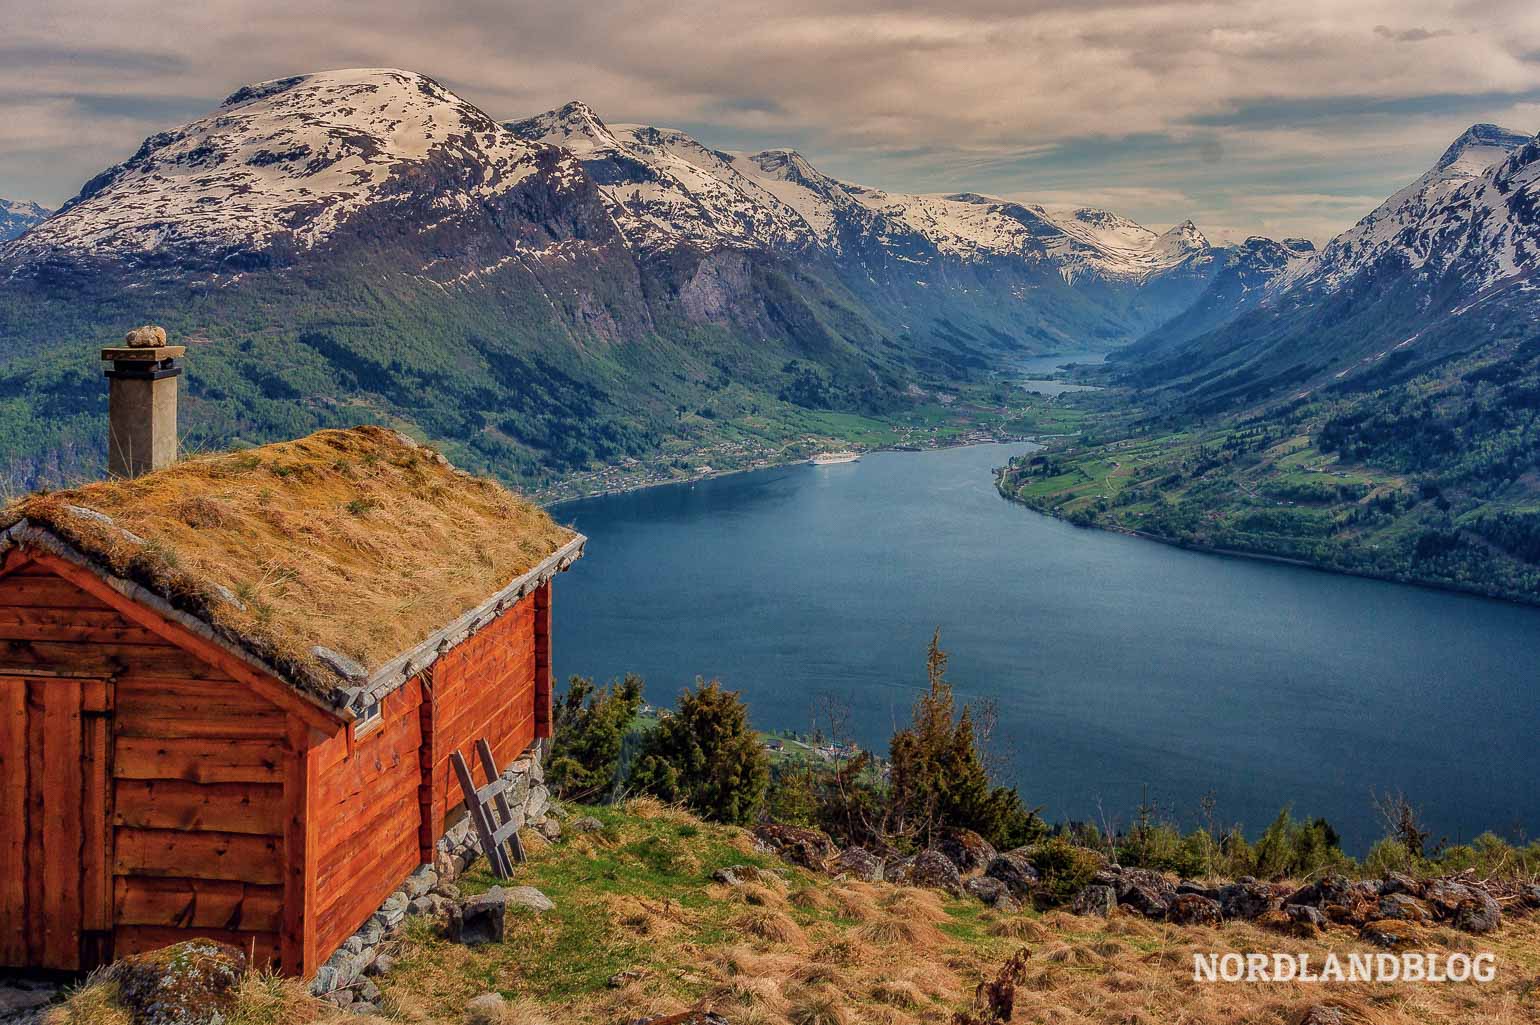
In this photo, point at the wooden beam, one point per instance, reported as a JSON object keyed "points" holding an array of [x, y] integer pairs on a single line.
{"points": [[543, 661], [271, 688], [298, 936], [13, 559]]}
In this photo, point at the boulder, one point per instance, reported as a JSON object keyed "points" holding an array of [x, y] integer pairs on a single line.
{"points": [[966, 849], [858, 863], [1399, 882], [479, 919], [809, 848], [991, 892], [1529, 896], [1479, 913], [585, 824], [422, 906], [1390, 934], [382, 965], [147, 337], [1096, 899], [1332, 889], [1014, 870], [935, 871], [1147, 893], [1311, 918], [1404, 908], [1247, 901], [1194, 909], [189, 983], [529, 897], [550, 829], [1107, 876], [1323, 1014]]}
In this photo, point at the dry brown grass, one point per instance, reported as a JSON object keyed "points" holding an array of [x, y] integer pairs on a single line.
{"points": [[768, 924], [358, 540], [890, 930]]}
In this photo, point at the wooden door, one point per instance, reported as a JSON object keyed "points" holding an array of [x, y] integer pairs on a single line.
{"points": [[55, 887]]}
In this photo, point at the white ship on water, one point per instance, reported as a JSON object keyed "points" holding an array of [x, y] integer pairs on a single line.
{"points": [[830, 458]]}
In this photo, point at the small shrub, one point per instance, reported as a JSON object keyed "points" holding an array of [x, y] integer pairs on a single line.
{"points": [[707, 756], [1064, 868], [590, 727]]}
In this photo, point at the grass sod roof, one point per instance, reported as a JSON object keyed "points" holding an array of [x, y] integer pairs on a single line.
{"points": [[359, 541]]}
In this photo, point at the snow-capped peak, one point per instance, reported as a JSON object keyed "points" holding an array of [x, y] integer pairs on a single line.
{"points": [[1477, 149], [1180, 240], [1428, 220], [291, 159]]}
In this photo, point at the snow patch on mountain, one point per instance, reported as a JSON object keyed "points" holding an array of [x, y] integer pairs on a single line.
{"points": [[290, 160]]}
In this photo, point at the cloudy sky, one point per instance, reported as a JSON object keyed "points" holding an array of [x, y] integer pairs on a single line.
{"points": [[1278, 117]]}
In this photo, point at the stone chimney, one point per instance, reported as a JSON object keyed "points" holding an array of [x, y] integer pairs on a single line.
{"points": [[141, 402]]}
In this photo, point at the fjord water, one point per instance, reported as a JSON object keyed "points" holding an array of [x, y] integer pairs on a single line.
{"points": [[1124, 670]]}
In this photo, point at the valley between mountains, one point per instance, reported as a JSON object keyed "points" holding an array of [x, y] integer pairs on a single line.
{"points": [[576, 305]]}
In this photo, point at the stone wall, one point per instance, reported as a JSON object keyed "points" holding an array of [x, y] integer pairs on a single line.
{"points": [[430, 889]]}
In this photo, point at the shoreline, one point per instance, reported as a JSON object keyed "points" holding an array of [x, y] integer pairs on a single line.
{"points": [[967, 442], [1238, 553]]}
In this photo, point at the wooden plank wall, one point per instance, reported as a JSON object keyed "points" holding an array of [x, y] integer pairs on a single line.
{"points": [[485, 687], [198, 763], [366, 817]]}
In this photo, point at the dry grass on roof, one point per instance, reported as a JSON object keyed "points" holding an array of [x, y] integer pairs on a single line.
{"points": [[358, 540]]}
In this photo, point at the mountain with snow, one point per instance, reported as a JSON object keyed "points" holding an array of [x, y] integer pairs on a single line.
{"points": [[280, 167], [1445, 266], [1448, 213], [16, 217], [666, 189]]}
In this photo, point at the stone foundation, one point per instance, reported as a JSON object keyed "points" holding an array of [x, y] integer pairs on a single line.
{"points": [[430, 889]]}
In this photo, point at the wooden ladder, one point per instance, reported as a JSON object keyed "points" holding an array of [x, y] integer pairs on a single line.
{"points": [[479, 802]]}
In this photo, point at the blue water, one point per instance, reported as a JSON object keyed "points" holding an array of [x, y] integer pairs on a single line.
{"points": [[1124, 670]]}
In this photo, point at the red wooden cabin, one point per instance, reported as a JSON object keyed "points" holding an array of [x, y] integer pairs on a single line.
{"points": [[229, 690]]}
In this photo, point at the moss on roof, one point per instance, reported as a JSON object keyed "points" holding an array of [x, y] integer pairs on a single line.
{"points": [[360, 541]]}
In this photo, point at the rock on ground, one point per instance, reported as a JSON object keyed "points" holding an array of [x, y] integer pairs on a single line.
{"points": [[809, 848], [1148, 893], [1248, 901], [1403, 907], [1095, 900], [1194, 909], [529, 897], [934, 870], [1479, 913], [188, 983], [858, 863], [966, 849], [1014, 870], [991, 892]]}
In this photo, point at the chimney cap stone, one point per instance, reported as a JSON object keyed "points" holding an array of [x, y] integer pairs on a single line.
{"points": [[123, 352], [149, 336]]}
